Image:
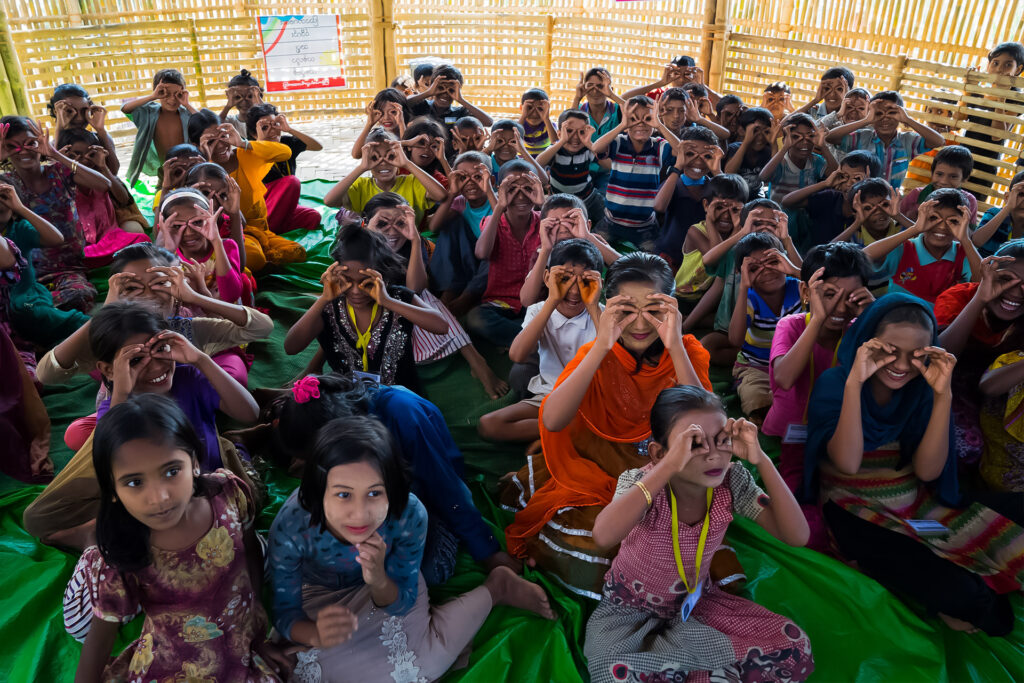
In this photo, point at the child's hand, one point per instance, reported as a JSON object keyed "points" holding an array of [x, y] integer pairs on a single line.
{"points": [[715, 163], [233, 96], [406, 223], [684, 446], [748, 270], [97, 156], [741, 435], [120, 286], [281, 121], [129, 362], [45, 145], [668, 321], [521, 146], [395, 155], [859, 299], [927, 215], [620, 311], [892, 204], [590, 287], [230, 135], [9, 198], [959, 224], [508, 188], [374, 286], [820, 133], [371, 559], [371, 157], [995, 282], [373, 115], [335, 282], [280, 659], [781, 229], [778, 261], [858, 209], [837, 179], [266, 127], [64, 114], [170, 345], [456, 181], [578, 224], [174, 285], [532, 188], [580, 87], [559, 281], [939, 371], [196, 276], [335, 624], [872, 356], [174, 173], [816, 300], [548, 230]]}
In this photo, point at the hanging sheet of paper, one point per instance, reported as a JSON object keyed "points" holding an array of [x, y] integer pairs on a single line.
{"points": [[302, 52]]}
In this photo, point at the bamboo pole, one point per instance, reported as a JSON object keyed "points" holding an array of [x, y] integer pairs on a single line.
{"points": [[193, 39], [546, 55], [719, 45], [6, 98], [74, 11], [15, 80], [707, 42], [382, 42]]}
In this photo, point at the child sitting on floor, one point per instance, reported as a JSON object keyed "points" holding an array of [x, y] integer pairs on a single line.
{"points": [[854, 108], [797, 164], [727, 113], [247, 162], [834, 286], [604, 109], [73, 109], [383, 156], [364, 317], [469, 135], [777, 98], [874, 207], [724, 197], [879, 133], [935, 253], [535, 118], [508, 242], [264, 122], [951, 167], [1002, 224], [439, 99], [49, 190], [506, 144], [698, 157], [424, 140], [201, 524], [767, 292], [828, 209], [1001, 462], [161, 119], [568, 161], [389, 110], [455, 270], [662, 618], [556, 329], [346, 568], [225, 198], [832, 89], [637, 160], [179, 161], [97, 209], [243, 93], [679, 111], [30, 307], [390, 215], [751, 154]]}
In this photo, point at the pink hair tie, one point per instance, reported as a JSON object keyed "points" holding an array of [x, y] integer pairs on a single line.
{"points": [[306, 388]]}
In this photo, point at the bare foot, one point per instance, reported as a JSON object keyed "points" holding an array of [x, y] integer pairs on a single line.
{"points": [[508, 589], [503, 559], [493, 385], [507, 478], [958, 624]]}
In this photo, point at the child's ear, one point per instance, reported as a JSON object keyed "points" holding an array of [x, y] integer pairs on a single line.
{"points": [[656, 451], [706, 204], [805, 292], [106, 369]]}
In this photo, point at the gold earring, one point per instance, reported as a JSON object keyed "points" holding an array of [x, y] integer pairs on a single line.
{"points": [[195, 472]]}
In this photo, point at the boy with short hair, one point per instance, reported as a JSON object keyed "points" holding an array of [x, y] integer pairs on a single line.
{"points": [[999, 225], [595, 97], [796, 164], [759, 215], [951, 167], [935, 253], [681, 196], [637, 160], [727, 112], [455, 271], [554, 330], [778, 99], [767, 292], [507, 144], [943, 104], [535, 118], [422, 75], [468, 135], [828, 210], [874, 207], [161, 119], [679, 111], [879, 133], [832, 89], [509, 240], [748, 157], [854, 108], [568, 161], [439, 99]]}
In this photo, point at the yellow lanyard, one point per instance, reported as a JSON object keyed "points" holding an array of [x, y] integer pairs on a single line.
{"points": [[362, 338], [700, 543]]}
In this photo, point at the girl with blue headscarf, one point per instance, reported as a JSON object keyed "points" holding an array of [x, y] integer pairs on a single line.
{"points": [[879, 443]]}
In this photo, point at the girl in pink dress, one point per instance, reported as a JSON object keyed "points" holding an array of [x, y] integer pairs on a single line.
{"points": [[660, 618]]}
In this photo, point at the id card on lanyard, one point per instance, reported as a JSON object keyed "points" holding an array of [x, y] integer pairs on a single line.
{"points": [[693, 594]]}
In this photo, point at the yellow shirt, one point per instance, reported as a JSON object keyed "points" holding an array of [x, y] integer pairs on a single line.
{"points": [[253, 165], [364, 188]]}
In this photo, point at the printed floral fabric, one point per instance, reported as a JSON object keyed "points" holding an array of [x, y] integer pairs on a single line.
{"points": [[202, 615]]}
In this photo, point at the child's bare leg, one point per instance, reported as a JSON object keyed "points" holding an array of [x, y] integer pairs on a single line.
{"points": [[723, 353], [508, 589], [517, 422], [503, 559], [958, 624], [132, 226], [493, 385]]}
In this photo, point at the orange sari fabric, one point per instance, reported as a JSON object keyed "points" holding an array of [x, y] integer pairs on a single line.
{"points": [[616, 408]]}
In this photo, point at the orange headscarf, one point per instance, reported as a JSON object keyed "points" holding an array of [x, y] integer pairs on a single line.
{"points": [[617, 408]]}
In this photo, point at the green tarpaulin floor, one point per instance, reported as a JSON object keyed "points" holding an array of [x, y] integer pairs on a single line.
{"points": [[858, 630]]}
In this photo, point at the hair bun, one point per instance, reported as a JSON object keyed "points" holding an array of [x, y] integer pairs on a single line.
{"points": [[244, 73]]}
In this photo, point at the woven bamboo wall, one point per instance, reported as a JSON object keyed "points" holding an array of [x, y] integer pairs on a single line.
{"points": [[506, 47], [114, 47]]}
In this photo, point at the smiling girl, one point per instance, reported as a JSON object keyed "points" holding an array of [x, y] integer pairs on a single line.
{"points": [[345, 553], [594, 423], [878, 430]]}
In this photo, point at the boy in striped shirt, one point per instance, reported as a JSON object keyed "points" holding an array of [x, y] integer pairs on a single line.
{"points": [[767, 292], [637, 161], [568, 163], [535, 117]]}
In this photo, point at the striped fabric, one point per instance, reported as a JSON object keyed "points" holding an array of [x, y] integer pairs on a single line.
{"points": [[761, 322], [635, 178], [981, 540], [427, 347], [570, 173]]}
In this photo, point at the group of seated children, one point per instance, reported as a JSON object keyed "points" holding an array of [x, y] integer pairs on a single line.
{"points": [[868, 320]]}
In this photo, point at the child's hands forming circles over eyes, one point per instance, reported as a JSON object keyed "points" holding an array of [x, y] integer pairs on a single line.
{"points": [[668, 322], [741, 436], [872, 356], [590, 287], [684, 446], [129, 362], [168, 345], [335, 281], [559, 281], [939, 371], [620, 312], [374, 286]]}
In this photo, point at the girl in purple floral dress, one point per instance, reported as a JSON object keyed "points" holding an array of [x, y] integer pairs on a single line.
{"points": [[176, 545], [660, 618], [50, 191]]}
